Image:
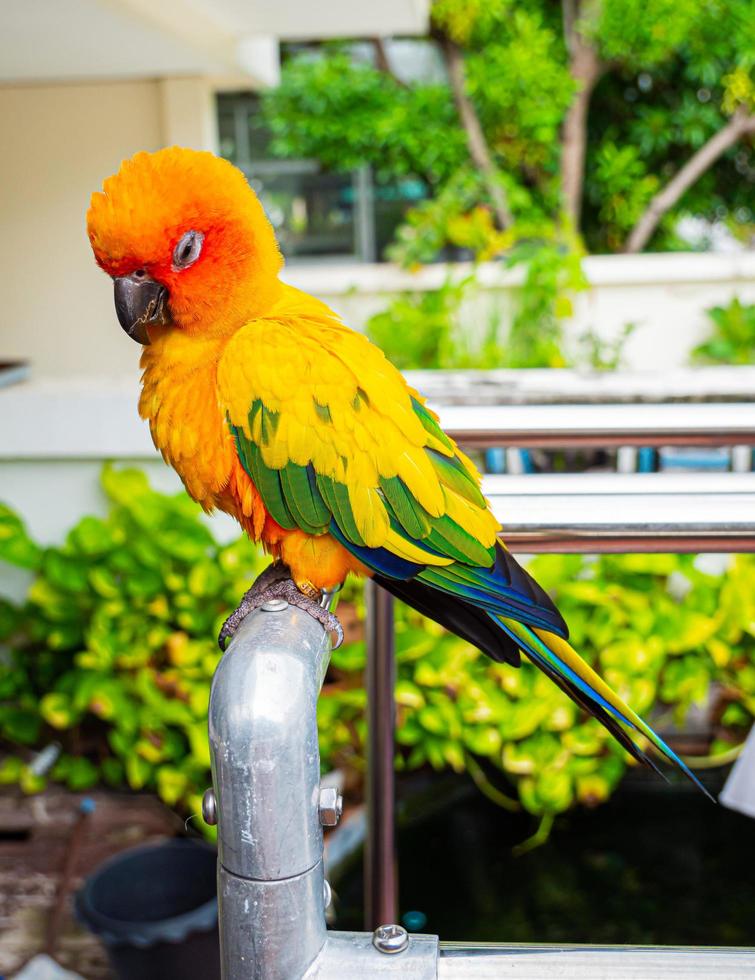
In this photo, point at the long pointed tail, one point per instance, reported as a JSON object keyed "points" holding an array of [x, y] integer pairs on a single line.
{"points": [[556, 658]]}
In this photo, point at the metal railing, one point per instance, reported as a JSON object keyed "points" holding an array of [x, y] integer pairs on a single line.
{"points": [[615, 512], [604, 425], [263, 731], [270, 809], [578, 512]]}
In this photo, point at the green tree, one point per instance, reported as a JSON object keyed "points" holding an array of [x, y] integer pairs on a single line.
{"points": [[644, 111]]}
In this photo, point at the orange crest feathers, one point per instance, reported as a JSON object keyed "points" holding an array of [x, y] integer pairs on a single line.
{"points": [[143, 210]]}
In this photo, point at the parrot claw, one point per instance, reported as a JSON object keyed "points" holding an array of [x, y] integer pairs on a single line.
{"points": [[275, 583]]}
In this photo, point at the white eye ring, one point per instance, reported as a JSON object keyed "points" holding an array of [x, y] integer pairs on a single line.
{"points": [[188, 250]]}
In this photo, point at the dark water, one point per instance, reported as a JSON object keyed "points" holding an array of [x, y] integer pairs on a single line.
{"points": [[658, 864]]}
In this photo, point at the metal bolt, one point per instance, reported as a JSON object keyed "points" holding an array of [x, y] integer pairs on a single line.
{"points": [[210, 807], [275, 605], [331, 806], [390, 939], [327, 894]]}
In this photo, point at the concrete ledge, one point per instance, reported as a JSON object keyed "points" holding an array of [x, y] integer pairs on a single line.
{"points": [[661, 269]]}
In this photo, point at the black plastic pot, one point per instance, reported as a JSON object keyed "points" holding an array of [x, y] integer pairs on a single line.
{"points": [[155, 909]]}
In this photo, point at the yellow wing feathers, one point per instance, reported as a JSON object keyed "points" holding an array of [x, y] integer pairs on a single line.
{"points": [[326, 396]]}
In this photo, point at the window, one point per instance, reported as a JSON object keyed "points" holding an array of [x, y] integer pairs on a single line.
{"points": [[316, 214]]}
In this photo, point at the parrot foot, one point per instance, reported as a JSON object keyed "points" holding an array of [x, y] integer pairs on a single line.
{"points": [[275, 583]]}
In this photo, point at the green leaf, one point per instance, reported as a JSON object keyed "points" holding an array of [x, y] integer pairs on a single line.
{"points": [[91, 537], [138, 771], [171, 784], [20, 725], [485, 741], [199, 742], [205, 579], [124, 486], [11, 768], [16, 547], [432, 720], [82, 774], [112, 771], [56, 709], [555, 790], [65, 572]]}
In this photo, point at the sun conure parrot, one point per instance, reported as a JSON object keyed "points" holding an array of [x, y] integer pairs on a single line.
{"points": [[273, 410]]}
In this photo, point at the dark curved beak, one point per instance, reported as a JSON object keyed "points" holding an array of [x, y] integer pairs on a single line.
{"points": [[139, 301]]}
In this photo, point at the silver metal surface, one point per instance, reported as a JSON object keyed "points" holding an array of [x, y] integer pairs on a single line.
{"points": [[484, 962], [380, 864], [606, 425], [270, 930], [266, 778], [351, 956], [263, 725], [330, 806], [587, 512], [209, 807], [274, 605], [390, 939]]}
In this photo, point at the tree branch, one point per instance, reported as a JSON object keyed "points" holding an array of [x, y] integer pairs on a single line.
{"points": [[569, 15], [476, 142], [382, 61], [586, 68], [740, 124]]}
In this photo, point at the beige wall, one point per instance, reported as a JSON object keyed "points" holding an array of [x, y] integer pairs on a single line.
{"points": [[58, 142]]}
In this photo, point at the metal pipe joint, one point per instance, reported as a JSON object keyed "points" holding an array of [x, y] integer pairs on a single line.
{"points": [[270, 810], [266, 777]]}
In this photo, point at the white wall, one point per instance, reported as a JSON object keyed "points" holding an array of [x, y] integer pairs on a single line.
{"points": [[59, 142], [665, 295]]}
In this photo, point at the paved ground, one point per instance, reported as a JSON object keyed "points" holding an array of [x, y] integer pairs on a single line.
{"points": [[34, 835]]}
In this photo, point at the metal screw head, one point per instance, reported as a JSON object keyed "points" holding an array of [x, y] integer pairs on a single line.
{"points": [[275, 605], [331, 806], [390, 939], [209, 807]]}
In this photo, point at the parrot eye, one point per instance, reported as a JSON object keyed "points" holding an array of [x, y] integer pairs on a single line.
{"points": [[188, 249]]}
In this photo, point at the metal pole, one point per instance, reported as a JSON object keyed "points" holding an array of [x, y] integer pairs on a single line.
{"points": [[269, 808], [461, 961], [380, 864], [266, 778]]}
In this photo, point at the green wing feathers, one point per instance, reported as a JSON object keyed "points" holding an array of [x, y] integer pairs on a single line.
{"points": [[448, 523]]}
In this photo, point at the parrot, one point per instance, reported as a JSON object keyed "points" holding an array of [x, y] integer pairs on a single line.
{"points": [[274, 411]]}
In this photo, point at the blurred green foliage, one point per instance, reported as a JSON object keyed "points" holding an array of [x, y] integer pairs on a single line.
{"points": [[732, 340], [669, 74], [422, 330], [431, 328], [660, 630], [113, 651]]}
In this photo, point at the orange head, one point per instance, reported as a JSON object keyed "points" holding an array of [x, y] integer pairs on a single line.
{"points": [[186, 241]]}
